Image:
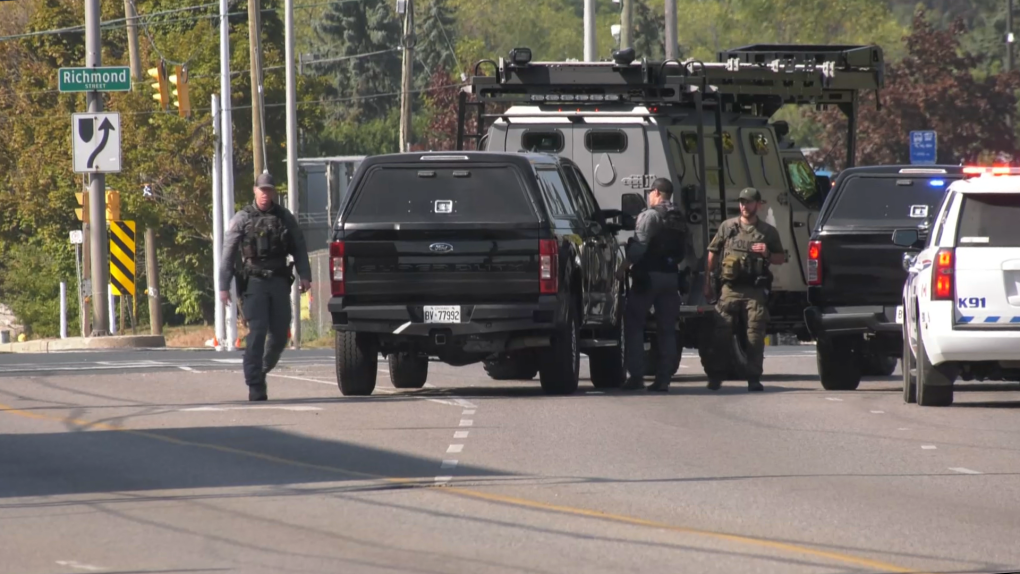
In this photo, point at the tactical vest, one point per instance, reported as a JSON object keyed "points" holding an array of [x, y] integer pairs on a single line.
{"points": [[740, 265], [267, 241], [668, 247]]}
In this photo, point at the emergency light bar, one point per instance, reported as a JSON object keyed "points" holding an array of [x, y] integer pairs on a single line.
{"points": [[991, 170]]}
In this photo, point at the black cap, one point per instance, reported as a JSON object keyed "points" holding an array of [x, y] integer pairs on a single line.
{"points": [[750, 193], [265, 180]]}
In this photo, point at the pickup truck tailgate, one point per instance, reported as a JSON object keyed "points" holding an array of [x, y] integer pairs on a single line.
{"points": [[442, 235], [861, 268]]}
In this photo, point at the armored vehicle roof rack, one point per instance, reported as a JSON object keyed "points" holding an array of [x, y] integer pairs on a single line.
{"points": [[763, 76]]}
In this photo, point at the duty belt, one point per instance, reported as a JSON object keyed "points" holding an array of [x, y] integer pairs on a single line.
{"points": [[269, 273]]}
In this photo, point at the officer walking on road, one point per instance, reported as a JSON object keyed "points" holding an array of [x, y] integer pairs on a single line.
{"points": [[266, 233], [658, 247], [748, 246]]}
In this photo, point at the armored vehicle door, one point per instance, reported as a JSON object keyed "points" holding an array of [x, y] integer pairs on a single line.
{"points": [[766, 171], [612, 158], [804, 204]]}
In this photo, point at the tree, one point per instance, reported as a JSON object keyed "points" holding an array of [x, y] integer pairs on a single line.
{"points": [[352, 31], [933, 88], [436, 38], [649, 32]]}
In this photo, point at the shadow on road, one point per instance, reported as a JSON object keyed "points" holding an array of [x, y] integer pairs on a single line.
{"points": [[78, 462]]}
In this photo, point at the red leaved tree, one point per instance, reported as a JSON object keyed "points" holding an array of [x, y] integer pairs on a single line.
{"points": [[441, 101], [933, 88]]}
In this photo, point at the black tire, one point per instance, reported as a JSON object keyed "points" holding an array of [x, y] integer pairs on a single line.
{"points": [[407, 371], [739, 362], [561, 361], [934, 382], [839, 362], [909, 372], [874, 365], [723, 360], [516, 367], [357, 363], [606, 364]]}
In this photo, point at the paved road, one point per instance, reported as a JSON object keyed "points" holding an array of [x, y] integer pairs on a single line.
{"points": [[153, 462]]}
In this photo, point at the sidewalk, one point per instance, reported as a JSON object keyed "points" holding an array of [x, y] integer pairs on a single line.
{"points": [[86, 343]]}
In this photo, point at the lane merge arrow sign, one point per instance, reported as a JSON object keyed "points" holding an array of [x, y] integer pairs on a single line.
{"points": [[96, 138]]}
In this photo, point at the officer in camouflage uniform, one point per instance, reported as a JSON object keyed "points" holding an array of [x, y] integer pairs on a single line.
{"points": [[743, 248], [266, 233], [659, 245]]}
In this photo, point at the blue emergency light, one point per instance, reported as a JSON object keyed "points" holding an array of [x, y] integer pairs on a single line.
{"points": [[937, 182]]}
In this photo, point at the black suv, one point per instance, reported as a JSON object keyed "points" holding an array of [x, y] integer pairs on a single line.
{"points": [[499, 258], [855, 271]]}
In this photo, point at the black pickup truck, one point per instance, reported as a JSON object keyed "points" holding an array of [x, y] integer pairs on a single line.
{"points": [[500, 258], [855, 271]]}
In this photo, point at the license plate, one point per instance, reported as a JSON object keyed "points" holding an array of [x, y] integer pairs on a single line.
{"points": [[899, 314], [445, 314]]}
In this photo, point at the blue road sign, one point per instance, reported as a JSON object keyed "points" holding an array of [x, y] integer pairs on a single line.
{"points": [[923, 147]]}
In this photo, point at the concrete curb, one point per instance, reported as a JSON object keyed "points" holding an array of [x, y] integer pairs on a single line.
{"points": [[86, 343]]}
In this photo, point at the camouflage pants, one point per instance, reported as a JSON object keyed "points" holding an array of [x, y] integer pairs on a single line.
{"points": [[747, 307]]}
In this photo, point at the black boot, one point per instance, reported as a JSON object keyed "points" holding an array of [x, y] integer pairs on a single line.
{"points": [[714, 384], [633, 384], [659, 387], [257, 393], [754, 385]]}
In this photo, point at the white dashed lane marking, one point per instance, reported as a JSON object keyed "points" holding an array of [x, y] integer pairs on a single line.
{"points": [[928, 447], [449, 463], [834, 399], [455, 448], [460, 434], [962, 470], [468, 412], [878, 412], [79, 566], [466, 422]]}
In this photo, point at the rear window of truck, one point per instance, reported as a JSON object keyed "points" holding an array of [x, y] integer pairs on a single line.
{"points": [[989, 220], [887, 201], [435, 194]]}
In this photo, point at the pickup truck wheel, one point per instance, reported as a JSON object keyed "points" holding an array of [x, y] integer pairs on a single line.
{"points": [[934, 382], [561, 362], [839, 364], [357, 361], [909, 373], [873, 365], [517, 367], [408, 372]]}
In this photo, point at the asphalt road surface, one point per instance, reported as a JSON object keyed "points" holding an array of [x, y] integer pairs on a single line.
{"points": [[154, 462]]}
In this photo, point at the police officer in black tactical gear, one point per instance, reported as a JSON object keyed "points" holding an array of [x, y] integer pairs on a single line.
{"points": [[266, 233], [659, 245]]}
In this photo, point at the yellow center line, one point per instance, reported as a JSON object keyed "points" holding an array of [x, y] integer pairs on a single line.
{"points": [[479, 495]]}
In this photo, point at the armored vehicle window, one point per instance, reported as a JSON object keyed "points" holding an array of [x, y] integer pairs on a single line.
{"points": [[605, 141], [555, 193], [885, 201], [442, 194], [989, 220], [759, 143], [691, 142], [802, 179], [548, 142]]}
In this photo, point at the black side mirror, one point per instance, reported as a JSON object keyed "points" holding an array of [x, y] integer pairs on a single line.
{"points": [[823, 184], [905, 237], [628, 222], [632, 204]]}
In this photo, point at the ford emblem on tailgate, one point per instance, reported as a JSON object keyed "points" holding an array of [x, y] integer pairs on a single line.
{"points": [[440, 248]]}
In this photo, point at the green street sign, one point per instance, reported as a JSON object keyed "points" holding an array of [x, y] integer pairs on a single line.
{"points": [[108, 79]]}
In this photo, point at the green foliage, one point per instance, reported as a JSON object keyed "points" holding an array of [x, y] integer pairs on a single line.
{"points": [[436, 40], [30, 286]]}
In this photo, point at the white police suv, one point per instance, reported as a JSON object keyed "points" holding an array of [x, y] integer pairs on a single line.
{"points": [[961, 299]]}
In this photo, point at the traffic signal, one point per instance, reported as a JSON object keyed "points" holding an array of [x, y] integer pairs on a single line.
{"points": [[162, 94], [180, 81], [112, 205], [82, 213]]}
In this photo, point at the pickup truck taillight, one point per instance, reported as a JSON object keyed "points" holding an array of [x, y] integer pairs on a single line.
{"points": [[942, 272], [548, 266], [336, 268], [814, 263]]}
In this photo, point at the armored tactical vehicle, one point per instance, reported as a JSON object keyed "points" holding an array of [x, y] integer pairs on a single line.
{"points": [[705, 126]]}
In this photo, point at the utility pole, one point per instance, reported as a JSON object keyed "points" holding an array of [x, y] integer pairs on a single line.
{"points": [[217, 195], [97, 187], [1009, 36], [292, 167], [227, 170], [258, 141], [152, 279], [590, 47], [672, 45], [406, 75], [132, 31], [627, 25]]}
